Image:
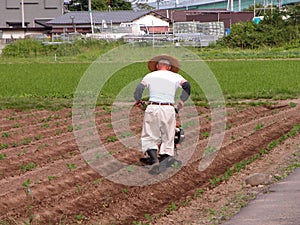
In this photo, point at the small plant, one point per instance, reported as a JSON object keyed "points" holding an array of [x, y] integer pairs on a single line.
{"points": [[125, 191], [71, 166], [45, 125], [213, 182], [259, 126], [78, 189], [26, 185], [41, 146], [38, 137], [58, 132], [16, 125], [70, 128], [28, 167], [111, 139], [26, 141], [2, 156], [5, 134], [57, 116], [198, 192], [97, 181], [172, 207], [15, 144], [129, 168], [79, 217], [205, 134], [51, 178], [208, 150], [126, 134], [293, 104], [148, 217]]}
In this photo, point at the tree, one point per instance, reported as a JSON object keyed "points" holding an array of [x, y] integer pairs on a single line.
{"points": [[100, 5]]}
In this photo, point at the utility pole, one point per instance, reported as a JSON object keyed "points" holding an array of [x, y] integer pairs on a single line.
{"points": [[91, 15], [23, 14]]}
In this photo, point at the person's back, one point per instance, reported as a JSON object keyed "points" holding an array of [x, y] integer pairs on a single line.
{"points": [[159, 120]]}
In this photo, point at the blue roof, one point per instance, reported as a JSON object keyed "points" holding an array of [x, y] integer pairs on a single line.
{"points": [[83, 17]]}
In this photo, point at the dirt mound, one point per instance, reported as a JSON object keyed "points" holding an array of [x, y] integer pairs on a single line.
{"points": [[45, 179]]}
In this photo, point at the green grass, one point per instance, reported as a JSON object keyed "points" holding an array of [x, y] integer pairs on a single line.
{"points": [[51, 85]]}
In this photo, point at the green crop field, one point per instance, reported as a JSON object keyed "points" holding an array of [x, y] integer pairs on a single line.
{"points": [[238, 79]]}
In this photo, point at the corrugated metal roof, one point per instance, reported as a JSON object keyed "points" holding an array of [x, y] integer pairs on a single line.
{"points": [[83, 17]]}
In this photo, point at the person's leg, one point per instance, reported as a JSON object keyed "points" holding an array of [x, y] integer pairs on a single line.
{"points": [[150, 136], [167, 128]]}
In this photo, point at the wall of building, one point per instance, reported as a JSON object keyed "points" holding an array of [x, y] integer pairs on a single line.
{"points": [[154, 24], [11, 11]]}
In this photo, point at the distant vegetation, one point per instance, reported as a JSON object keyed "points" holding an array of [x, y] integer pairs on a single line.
{"points": [[277, 28]]}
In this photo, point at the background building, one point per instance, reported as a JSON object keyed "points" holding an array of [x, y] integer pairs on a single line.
{"points": [[24, 17]]}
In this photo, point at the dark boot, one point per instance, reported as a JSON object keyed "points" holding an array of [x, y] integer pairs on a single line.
{"points": [[153, 156], [152, 153]]}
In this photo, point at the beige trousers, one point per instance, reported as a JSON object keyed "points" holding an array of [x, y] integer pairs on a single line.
{"points": [[159, 128]]}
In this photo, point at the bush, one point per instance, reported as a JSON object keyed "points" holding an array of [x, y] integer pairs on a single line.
{"points": [[273, 31], [25, 48]]}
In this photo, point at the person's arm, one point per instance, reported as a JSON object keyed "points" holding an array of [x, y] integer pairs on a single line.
{"points": [[138, 93], [186, 92]]}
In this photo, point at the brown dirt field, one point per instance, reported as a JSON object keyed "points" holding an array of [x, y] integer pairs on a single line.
{"points": [[64, 189]]}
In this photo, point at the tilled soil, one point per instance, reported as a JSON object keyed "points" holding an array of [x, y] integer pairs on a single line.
{"points": [[62, 188]]}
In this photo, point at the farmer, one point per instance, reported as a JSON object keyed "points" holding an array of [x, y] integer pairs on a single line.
{"points": [[159, 120]]}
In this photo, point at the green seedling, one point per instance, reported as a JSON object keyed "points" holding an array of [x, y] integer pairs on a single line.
{"points": [[28, 167], [2, 156], [5, 134], [71, 166], [26, 186]]}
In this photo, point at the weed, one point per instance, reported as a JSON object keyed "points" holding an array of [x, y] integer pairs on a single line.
{"points": [[28, 167], [126, 134], [5, 134], [175, 165], [79, 217], [26, 185], [213, 182], [148, 217], [2, 156], [16, 125], [130, 168], [45, 125], [172, 207], [229, 126], [208, 150], [41, 146], [259, 126], [78, 189], [38, 137], [71, 166], [51, 178], [205, 134], [2, 146], [272, 145], [57, 116], [198, 192], [97, 181], [111, 139], [26, 141], [293, 104], [125, 191], [70, 128], [58, 132]]}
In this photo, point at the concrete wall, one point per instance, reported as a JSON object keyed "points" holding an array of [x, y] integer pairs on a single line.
{"points": [[11, 11]]}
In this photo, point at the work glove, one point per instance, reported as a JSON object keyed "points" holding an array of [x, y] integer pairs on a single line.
{"points": [[180, 105], [141, 104]]}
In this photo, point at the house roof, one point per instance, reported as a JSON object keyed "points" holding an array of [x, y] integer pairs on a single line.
{"points": [[83, 17]]}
